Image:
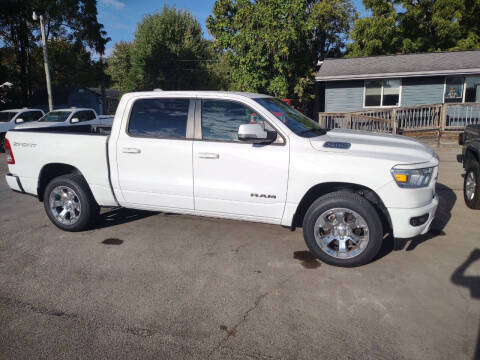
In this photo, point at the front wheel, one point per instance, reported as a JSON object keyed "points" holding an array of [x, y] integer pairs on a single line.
{"points": [[69, 203], [471, 186], [343, 229]]}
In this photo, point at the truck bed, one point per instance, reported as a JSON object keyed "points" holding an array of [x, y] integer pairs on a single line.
{"points": [[83, 147]]}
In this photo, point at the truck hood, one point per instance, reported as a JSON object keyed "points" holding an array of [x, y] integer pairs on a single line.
{"points": [[38, 124], [399, 149]]}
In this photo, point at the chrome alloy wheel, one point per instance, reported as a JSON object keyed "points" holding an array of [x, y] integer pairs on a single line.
{"points": [[65, 205], [341, 233], [470, 185]]}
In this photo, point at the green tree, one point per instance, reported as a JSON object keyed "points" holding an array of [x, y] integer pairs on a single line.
{"points": [[168, 52], [71, 64], [119, 66], [406, 26], [430, 25], [273, 46], [377, 34], [470, 26], [72, 20]]}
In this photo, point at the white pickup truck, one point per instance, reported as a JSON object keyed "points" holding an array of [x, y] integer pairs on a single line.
{"points": [[232, 155], [69, 117], [12, 117]]}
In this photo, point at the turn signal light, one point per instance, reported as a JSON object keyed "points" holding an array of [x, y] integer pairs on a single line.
{"points": [[401, 178]]}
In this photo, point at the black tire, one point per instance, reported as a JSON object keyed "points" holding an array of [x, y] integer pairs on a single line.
{"points": [[473, 170], [2, 143], [89, 207], [351, 201]]}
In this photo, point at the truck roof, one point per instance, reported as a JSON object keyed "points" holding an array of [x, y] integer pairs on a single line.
{"points": [[198, 93], [18, 110], [72, 109]]}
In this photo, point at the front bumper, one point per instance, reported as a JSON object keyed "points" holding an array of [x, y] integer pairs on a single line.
{"points": [[401, 219], [14, 183]]}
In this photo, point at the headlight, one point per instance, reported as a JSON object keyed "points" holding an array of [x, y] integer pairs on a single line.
{"points": [[412, 178]]}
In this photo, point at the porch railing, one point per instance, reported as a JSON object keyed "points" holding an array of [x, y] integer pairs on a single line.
{"points": [[404, 119]]}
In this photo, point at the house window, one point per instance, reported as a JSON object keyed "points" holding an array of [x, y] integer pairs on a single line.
{"points": [[472, 91], [380, 93], [454, 89]]}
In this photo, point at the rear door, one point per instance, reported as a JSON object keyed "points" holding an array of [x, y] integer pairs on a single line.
{"points": [[154, 154], [233, 177]]}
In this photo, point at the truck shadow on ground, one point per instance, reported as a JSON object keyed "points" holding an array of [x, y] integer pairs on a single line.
{"points": [[119, 216], [472, 283], [447, 200]]}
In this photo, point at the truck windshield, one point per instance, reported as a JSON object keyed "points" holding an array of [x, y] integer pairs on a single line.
{"points": [[292, 118], [55, 116], [6, 116]]}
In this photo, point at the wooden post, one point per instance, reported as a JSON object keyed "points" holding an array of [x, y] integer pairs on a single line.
{"points": [[348, 121], [443, 117], [394, 121]]}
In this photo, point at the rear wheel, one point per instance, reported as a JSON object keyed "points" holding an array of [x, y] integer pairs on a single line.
{"points": [[69, 203], [471, 186], [343, 229]]}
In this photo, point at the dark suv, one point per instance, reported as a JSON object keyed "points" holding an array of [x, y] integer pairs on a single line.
{"points": [[470, 140]]}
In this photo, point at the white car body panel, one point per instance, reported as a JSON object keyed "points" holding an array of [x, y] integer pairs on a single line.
{"points": [[99, 120], [9, 125], [262, 183]]}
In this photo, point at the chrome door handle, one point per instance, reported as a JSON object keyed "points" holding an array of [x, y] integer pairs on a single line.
{"points": [[131, 150], [208, 156]]}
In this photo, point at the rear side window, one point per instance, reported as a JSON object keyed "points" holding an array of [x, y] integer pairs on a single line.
{"points": [[159, 118], [36, 115]]}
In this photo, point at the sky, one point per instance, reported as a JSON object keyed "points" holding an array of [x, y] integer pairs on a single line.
{"points": [[120, 17]]}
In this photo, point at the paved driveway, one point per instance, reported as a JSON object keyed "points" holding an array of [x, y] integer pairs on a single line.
{"points": [[152, 285]]}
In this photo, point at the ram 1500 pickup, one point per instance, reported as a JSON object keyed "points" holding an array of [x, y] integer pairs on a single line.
{"points": [[470, 158], [232, 155]]}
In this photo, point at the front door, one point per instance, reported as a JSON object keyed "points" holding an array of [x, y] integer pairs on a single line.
{"points": [[232, 177], [154, 155]]}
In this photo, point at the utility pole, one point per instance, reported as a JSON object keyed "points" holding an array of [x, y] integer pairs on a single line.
{"points": [[102, 85], [45, 59]]}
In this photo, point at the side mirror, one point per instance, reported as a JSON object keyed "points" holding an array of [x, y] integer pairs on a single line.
{"points": [[462, 138], [18, 121], [74, 120], [255, 134]]}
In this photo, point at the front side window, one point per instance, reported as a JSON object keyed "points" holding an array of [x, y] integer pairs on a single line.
{"points": [[89, 115], [382, 92], [221, 119], [84, 115], [55, 116], [454, 89], [27, 116], [472, 92], [159, 118], [6, 116]]}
